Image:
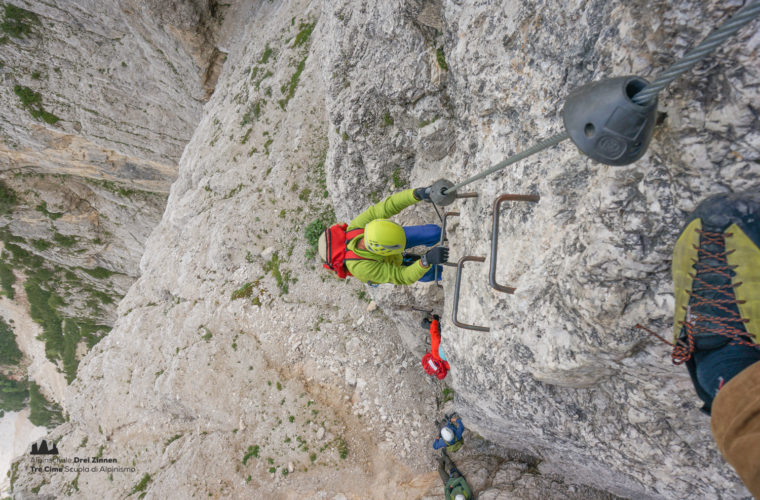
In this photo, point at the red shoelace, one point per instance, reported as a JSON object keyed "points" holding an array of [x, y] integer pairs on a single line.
{"points": [[696, 323]]}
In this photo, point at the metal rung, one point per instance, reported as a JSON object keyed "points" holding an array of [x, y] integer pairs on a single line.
{"points": [[467, 195], [443, 227], [456, 295], [495, 236]]}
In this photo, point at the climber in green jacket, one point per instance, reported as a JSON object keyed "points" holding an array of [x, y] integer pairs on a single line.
{"points": [[454, 485], [375, 255]]}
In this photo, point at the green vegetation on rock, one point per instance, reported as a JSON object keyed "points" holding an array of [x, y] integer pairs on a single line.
{"points": [[7, 279], [9, 351], [8, 198], [65, 241], [243, 292], [441, 58], [41, 245], [398, 181], [141, 486], [13, 394], [114, 187], [267, 53], [288, 89], [42, 207], [61, 334], [17, 22], [41, 411], [98, 272], [282, 277], [253, 451], [315, 229], [71, 338], [304, 33], [32, 102]]}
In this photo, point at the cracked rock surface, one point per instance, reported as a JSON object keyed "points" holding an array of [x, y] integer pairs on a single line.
{"points": [[237, 368]]}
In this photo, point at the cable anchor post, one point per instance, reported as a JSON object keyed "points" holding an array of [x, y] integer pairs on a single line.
{"points": [[441, 192], [605, 122]]}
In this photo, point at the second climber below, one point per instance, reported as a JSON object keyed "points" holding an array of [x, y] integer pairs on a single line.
{"points": [[450, 436], [374, 246]]}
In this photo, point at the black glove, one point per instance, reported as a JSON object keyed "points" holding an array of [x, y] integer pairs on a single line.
{"points": [[428, 320], [422, 193], [436, 255]]}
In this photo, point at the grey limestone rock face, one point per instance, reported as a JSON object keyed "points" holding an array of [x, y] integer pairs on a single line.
{"points": [[231, 329], [125, 91], [99, 100], [562, 373]]}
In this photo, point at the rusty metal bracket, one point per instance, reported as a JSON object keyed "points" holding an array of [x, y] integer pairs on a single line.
{"points": [[495, 236], [454, 313], [443, 226]]}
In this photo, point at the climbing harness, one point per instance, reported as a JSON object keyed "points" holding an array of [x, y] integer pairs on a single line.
{"points": [[617, 129]]}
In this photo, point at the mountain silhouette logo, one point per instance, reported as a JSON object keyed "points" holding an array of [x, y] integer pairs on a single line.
{"points": [[43, 449]]}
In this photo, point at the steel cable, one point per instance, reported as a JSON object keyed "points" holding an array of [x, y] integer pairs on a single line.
{"points": [[547, 143], [716, 38]]}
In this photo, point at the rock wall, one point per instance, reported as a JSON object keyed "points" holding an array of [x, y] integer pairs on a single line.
{"points": [[237, 369], [99, 100], [422, 90], [122, 94]]}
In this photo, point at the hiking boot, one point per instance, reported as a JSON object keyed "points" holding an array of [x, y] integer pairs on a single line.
{"points": [[716, 276]]}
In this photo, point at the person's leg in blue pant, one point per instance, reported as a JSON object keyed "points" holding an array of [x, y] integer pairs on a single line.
{"points": [[426, 234]]}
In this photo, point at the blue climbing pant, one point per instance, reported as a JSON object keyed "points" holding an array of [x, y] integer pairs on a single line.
{"points": [[428, 235]]}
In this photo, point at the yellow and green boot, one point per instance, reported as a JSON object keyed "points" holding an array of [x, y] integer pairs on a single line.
{"points": [[716, 276]]}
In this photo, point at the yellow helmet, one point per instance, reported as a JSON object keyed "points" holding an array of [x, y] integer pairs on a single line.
{"points": [[384, 237]]}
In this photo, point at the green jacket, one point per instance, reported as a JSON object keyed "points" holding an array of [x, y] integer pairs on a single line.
{"points": [[383, 269], [457, 485]]}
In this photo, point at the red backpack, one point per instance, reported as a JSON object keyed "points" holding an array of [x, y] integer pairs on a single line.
{"points": [[337, 239]]}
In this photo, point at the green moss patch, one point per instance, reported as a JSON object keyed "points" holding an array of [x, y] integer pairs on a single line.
{"points": [[41, 411], [98, 272], [441, 58], [243, 292], [17, 22], [42, 207], [7, 279], [8, 198], [13, 394], [268, 51], [289, 88], [32, 102], [141, 486], [9, 351], [253, 451], [282, 277], [304, 33], [64, 240]]}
